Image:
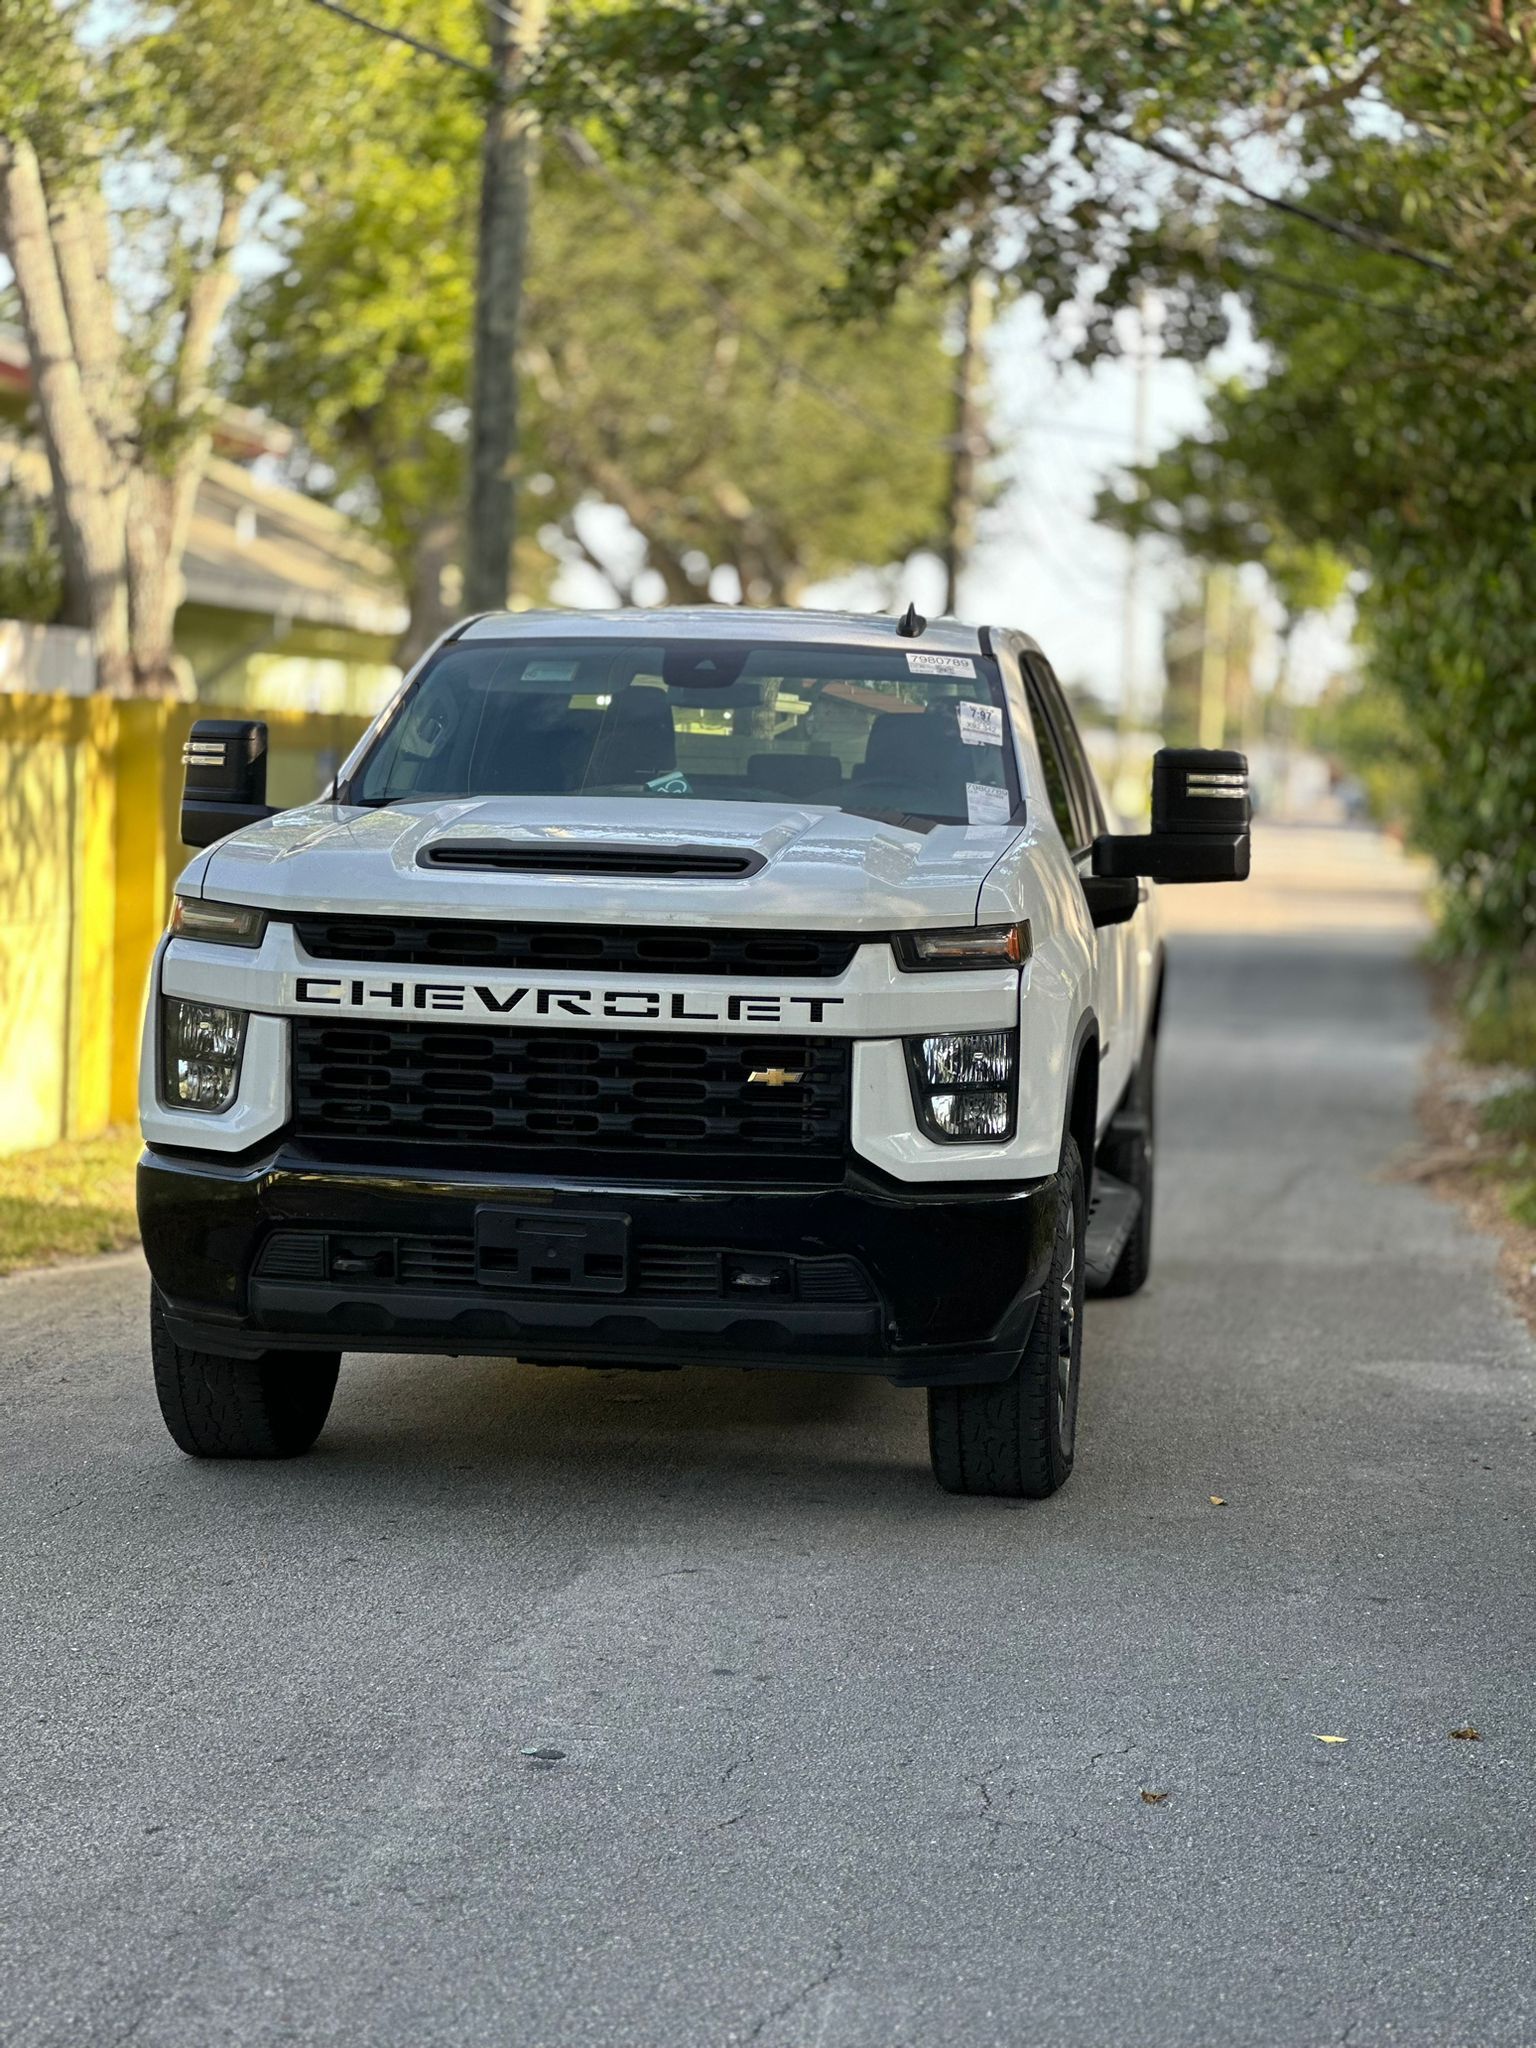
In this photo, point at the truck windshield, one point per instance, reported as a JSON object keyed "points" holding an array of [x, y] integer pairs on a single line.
{"points": [[918, 734]]}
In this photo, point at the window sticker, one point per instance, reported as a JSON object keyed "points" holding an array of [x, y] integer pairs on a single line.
{"points": [[941, 665], [981, 725], [987, 803]]}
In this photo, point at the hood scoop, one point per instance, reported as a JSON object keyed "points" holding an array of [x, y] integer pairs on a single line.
{"points": [[568, 857]]}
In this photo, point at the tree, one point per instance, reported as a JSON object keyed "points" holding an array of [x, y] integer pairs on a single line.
{"points": [[678, 366], [1394, 431], [925, 119], [187, 110]]}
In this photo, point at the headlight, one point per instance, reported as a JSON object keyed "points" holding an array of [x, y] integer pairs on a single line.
{"points": [[225, 924], [963, 1085], [201, 1045], [979, 945]]}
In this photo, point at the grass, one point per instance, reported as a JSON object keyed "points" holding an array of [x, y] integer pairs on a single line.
{"points": [[1498, 1029], [68, 1201], [1499, 1026], [1511, 1114]]}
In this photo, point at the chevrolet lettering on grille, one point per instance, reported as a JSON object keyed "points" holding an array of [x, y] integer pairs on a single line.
{"points": [[394, 998]]}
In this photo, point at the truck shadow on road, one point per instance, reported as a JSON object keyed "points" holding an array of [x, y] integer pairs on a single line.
{"points": [[546, 1431]]}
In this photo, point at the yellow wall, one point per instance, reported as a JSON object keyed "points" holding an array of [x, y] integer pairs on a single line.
{"points": [[89, 851]]}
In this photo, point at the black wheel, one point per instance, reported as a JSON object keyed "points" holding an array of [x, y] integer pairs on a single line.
{"points": [[1015, 1437], [1128, 1155], [219, 1406]]}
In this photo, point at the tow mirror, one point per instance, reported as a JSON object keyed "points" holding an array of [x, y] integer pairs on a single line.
{"points": [[1200, 819], [226, 779]]}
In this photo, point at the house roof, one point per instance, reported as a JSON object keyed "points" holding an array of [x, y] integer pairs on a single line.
{"points": [[259, 547]]}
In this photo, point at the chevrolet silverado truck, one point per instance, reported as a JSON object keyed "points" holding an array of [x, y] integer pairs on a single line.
{"points": [[658, 988]]}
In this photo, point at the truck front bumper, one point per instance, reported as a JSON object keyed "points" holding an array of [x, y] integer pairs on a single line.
{"points": [[924, 1285]]}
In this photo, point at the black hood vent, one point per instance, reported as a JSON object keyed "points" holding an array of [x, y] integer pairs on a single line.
{"points": [[566, 857]]}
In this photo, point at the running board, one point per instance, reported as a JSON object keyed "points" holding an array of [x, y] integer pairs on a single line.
{"points": [[1112, 1216]]}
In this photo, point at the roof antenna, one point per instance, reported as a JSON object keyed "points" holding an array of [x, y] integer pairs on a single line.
{"points": [[911, 623]]}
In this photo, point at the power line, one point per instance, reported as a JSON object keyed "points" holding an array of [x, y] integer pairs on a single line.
{"points": [[399, 35], [1346, 230]]}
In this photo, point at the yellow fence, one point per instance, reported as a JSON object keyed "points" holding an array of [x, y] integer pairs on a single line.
{"points": [[89, 854]]}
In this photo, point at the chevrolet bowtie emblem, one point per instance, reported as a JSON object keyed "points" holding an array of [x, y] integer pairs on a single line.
{"points": [[774, 1077]]}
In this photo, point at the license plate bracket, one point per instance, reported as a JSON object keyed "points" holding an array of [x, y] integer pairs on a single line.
{"points": [[551, 1251]]}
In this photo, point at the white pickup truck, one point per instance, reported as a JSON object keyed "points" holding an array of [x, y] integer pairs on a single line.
{"points": [[664, 988]]}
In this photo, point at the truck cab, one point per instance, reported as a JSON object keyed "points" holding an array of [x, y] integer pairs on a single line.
{"points": [[664, 988]]}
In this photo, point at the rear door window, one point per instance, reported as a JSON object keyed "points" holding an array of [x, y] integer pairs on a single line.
{"points": [[1075, 799]]}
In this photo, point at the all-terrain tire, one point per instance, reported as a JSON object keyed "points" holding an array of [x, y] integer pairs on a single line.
{"points": [[1130, 1158], [219, 1406], [1014, 1438]]}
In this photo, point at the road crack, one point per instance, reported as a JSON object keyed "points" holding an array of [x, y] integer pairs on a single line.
{"points": [[798, 1998]]}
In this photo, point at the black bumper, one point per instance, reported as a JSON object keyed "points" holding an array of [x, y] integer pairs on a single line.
{"points": [[924, 1285]]}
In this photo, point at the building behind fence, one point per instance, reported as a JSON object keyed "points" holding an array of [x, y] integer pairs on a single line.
{"points": [[90, 848]]}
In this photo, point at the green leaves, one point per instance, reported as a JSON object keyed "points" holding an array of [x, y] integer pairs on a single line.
{"points": [[679, 363]]}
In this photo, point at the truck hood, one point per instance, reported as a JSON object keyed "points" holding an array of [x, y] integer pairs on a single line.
{"points": [[820, 870]]}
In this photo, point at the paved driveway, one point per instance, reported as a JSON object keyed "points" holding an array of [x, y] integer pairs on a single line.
{"points": [[840, 1760]]}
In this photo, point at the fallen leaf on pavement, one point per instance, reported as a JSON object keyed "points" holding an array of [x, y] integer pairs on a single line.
{"points": [[1467, 1734], [1217, 1501], [1153, 1798], [1330, 1738]]}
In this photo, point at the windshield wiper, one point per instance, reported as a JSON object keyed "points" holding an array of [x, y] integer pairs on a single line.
{"points": [[908, 821]]}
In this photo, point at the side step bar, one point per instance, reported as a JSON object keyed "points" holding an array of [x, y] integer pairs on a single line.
{"points": [[1112, 1215]]}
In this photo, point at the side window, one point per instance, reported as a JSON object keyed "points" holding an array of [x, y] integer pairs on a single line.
{"points": [[1063, 747], [1056, 789]]}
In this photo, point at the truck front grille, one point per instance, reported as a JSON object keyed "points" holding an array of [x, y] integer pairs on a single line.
{"points": [[655, 1103], [614, 949]]}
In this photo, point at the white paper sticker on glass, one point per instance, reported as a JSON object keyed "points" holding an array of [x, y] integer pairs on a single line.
{"points": [[941, 665], [987, 803], [981, 725]]}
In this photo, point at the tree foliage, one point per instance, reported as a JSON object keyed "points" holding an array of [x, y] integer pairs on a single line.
{"points": [[678, 366], [924, 118], [1396, 429]]}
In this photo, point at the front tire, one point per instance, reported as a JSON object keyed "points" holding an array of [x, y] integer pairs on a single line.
{"points": [[216, 1405], [1015, 1438]]}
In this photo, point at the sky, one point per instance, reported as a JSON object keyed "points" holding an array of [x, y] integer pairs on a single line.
{"points": [[1042, 563]]}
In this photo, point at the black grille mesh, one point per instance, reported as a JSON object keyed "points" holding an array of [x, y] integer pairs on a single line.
{"points": [[621, 949], [647, 1097]]}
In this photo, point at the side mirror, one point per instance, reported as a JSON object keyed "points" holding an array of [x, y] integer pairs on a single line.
{"points": [[1200, 819], [226, 780]]}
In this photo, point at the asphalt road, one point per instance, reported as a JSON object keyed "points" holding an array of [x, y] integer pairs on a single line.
{"points": [[843, 1761]]}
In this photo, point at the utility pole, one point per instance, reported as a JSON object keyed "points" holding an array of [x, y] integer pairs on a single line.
{"points": [[1215, 655], [1130, 664], [968, 443], [515, 29]]}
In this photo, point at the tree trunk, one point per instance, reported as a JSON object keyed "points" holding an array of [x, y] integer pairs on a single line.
{"points": [[507, 163], [123, 513], [154, 579], [164, 486], [435, 553], [89, 487]]}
